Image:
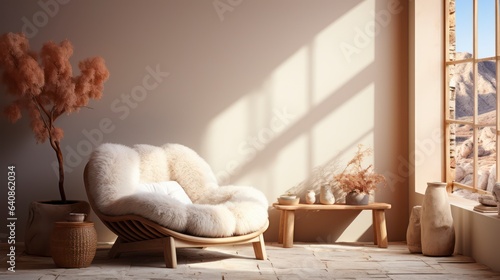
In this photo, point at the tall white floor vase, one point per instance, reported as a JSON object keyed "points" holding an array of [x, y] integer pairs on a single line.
{"points": [[437, 231]]}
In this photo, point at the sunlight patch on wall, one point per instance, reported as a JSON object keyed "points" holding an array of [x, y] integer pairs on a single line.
{"points": [[341, 51], [314, 104], [343, 129], [357, 228], [226, 129], [239, 134], [291, 162], [290, 83]]}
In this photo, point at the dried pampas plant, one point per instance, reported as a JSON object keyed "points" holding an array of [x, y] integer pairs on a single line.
{"points": [[355, 178], [44, 86]]}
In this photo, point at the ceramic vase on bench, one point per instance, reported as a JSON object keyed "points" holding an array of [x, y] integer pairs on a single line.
{"points": [[311, 197], [326, 195]]}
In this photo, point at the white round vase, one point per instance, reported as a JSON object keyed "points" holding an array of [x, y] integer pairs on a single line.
{"points": [[437, 231], [311, 197], [326, 195]]}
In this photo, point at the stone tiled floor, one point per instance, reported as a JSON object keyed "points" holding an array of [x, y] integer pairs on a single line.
{"points": [[304, 261]]}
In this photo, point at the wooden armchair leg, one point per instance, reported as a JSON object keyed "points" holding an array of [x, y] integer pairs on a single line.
{"points": [[114, 252], [259, 247], [169, 252]]}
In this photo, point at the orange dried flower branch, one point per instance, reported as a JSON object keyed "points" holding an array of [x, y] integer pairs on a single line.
{"points": [[44, 86], [356, 178]]}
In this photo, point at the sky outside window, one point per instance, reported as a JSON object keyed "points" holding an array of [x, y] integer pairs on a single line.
{"points": [[486, 27]]}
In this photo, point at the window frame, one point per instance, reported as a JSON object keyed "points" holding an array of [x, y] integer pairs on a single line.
{"points": [[448, 122]]}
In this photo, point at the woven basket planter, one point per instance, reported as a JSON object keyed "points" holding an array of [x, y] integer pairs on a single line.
{"points": [[42, 215], [73, 244]]}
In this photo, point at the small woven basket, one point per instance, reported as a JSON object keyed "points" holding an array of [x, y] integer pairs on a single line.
{"points": [[73, 244]]}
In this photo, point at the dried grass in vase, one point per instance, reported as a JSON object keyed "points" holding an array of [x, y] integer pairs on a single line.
{"points": [[355, 178]]}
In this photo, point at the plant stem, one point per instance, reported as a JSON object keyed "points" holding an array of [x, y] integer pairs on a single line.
{"points": [[61, 171], [53, 143]]}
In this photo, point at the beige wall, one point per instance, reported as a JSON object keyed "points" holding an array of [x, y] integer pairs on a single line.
{"points": [[426, 85], [265, 91], [476, 233]]}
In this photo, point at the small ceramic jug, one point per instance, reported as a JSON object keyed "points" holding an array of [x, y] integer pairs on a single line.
{"points": [[311, 197]]}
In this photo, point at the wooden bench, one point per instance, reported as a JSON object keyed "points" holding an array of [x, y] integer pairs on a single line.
{"points": [[287, 219]]}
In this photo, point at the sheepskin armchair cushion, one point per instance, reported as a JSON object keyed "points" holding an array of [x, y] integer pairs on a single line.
{"points": [[141, 180]]}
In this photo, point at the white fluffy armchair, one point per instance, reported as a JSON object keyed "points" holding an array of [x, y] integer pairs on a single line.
{"points": [[147, 193]]}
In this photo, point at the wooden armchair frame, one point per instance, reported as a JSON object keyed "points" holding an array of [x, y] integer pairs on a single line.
{"points": [[136, 234]]}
